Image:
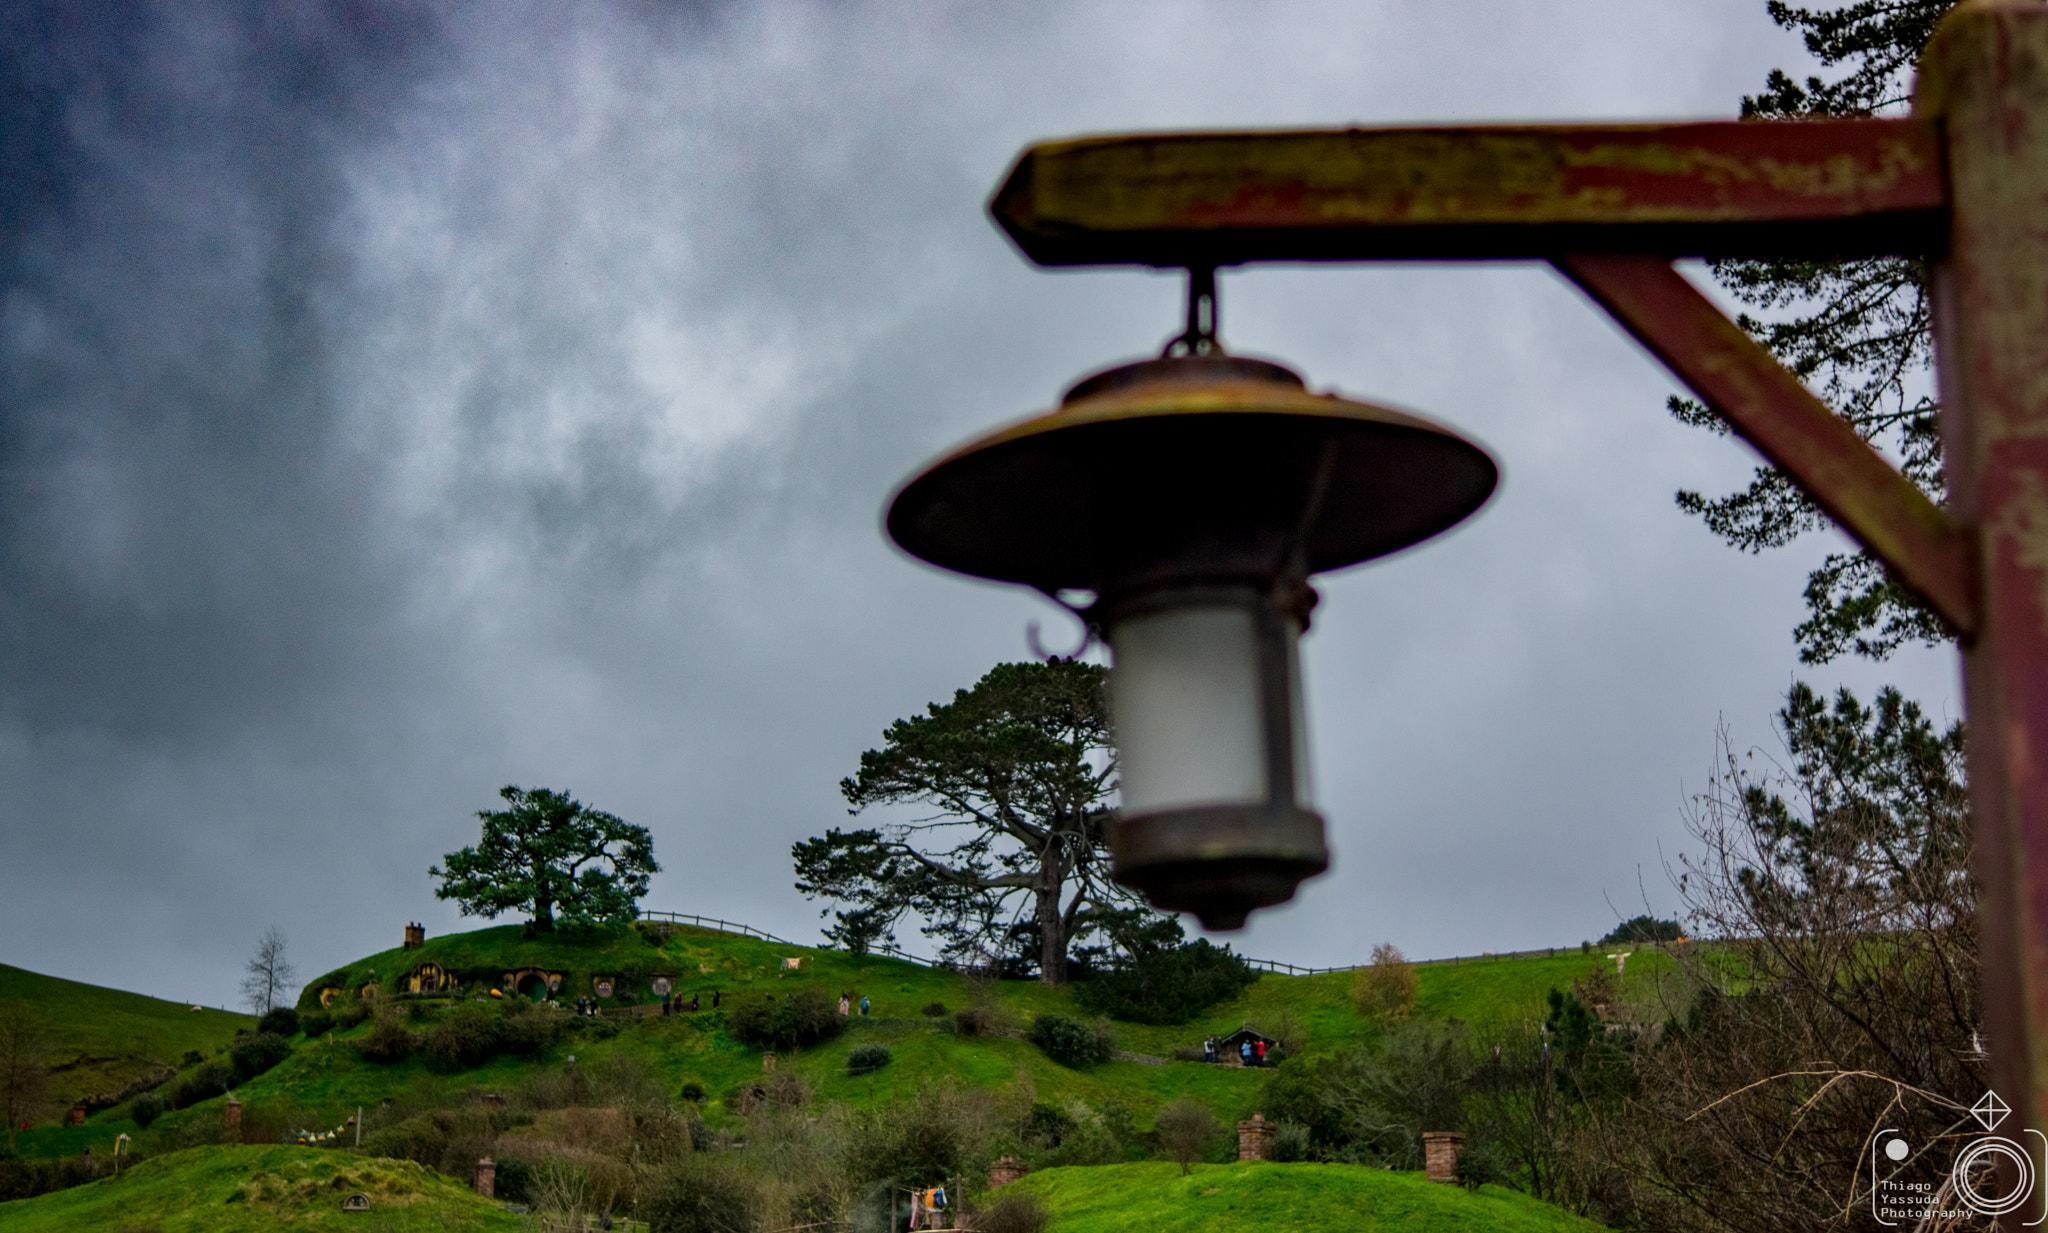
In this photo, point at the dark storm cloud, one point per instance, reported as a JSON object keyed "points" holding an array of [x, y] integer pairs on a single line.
{"points": [[182, 549], [397, 401]]}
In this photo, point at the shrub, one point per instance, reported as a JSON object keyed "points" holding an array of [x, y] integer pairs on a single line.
{"points": [[468, 1038], [1292, 1143], [254, 1053], [192, 1058], [1186, 1128], [280, 1021], [1012, 1212], [1387, 985], [514, 1182], [145, 1109], [1168, 986], [419, 1139], [387, 1042], [700, 1198], [867, 1058], [316, 1024], [205, 1083], [1485, 1162], [935, 1010], [1071, 1044], [692, 1091], [803, 1018]]}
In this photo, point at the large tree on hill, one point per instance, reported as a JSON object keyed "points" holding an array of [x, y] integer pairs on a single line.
{"points": [[1857, 331], [549, 855], [1018, 772]]}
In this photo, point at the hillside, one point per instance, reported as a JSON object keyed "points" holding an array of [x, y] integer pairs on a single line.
{"points": [[326, 1080], [256, 1189], [108, 1041], [1301, 1198]]}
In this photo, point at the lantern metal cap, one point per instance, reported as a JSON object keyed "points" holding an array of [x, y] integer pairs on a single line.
{"points": [[1204, 456]]}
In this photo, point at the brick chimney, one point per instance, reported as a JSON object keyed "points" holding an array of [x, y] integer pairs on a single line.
{"points": [[231, 1117], [1255, 1138], [1441, 1151], [487, 1177], [1005, 1171]]}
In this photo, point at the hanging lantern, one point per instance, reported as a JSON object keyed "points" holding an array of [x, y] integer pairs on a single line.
{"points": [[1190, 498]]}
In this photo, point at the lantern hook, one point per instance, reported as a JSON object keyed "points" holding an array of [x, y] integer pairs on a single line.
{"points": [[1199, 338], [1088, 630]]}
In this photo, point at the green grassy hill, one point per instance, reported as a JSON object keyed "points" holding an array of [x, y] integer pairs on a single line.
{"points": [[107, 1040], [257, 1189], [325, 1080], [1301, 1198]]}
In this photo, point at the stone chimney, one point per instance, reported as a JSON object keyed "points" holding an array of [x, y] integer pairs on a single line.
{"points": [[231, 1117], [1255, 1138], [415, 936], [1005, 1171], [1441, 1150], [767, 1063], [77, 1116], [487, 1177]]}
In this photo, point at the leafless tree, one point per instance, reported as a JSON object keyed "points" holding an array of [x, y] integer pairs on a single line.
{"points": [[26, 1083], [270, 974]]}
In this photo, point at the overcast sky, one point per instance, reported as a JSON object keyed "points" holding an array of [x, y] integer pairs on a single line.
{"points": [[398, 401]]}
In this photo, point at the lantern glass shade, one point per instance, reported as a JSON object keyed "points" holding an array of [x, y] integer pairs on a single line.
{"points": [[1195, 496], [1190, 714]]}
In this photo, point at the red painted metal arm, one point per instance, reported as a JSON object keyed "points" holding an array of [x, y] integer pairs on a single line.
{"points": [[1769, 408], [1842, 187]]}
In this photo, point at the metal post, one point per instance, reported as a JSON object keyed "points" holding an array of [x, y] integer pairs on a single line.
{"points": [[1985, 77]]}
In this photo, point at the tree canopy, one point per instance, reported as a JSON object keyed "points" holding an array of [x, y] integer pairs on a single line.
{"points": [[1017, 773], [548, 854], [1858, 332]]}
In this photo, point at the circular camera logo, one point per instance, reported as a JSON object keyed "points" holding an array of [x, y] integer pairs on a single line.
{"points": [[1991, 1176]]}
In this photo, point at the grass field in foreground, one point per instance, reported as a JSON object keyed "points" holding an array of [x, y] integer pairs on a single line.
{"points": [[252, 1189], [1299, 1198]]}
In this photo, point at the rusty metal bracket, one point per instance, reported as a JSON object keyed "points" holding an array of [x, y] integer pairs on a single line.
{"points": [[1768, 407]]}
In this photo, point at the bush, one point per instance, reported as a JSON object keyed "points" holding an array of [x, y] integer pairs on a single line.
{"points": [[316, 1024], [700, 1198], [205, 1083], [387, 1042], [1074, 1045], [1186, 1128], [468, 1038], [935, 1010], [692, 1091], [418, 1139], [145, 1109], [281, 1021], [257, 1052], [1012, 1212], [803, 1018], [1387, 985], [514, 1182], [867, 1058], [1168, 986], [1292, 1143]]}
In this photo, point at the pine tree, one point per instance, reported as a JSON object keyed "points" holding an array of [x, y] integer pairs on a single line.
{"points": [[1856, 331]]}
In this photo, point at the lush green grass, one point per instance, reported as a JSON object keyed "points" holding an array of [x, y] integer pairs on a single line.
{"points": [[325, 1080], [252, 1189], [1300, 1198], [106, 1039]]}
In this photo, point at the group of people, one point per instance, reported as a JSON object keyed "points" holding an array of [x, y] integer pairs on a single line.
{"points": [[846, 1004], [673, 1003], [1251, 1051]]}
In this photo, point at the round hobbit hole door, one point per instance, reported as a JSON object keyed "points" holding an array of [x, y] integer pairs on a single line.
{"points": [[604, 986], [662, 985], [534, 987]]}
